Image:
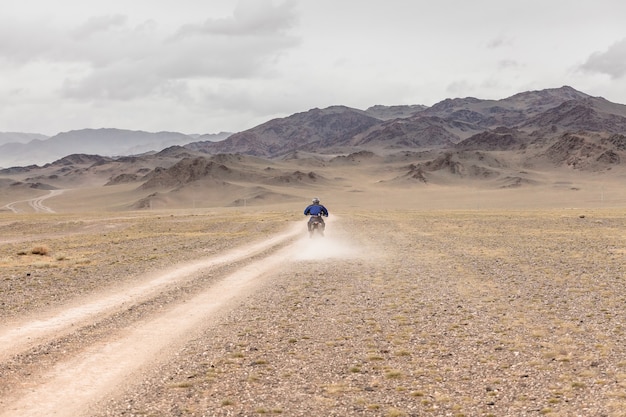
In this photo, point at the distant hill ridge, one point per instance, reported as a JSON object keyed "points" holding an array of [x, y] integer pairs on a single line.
{"points": [[529, 116], [106, 142], [340, 129], [17, 137]]}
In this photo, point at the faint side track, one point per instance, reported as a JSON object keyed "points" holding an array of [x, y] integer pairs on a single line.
{"points": [[37, 203], [67, 385]]}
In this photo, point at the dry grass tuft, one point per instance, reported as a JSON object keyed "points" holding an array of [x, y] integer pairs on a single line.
{"points": [[42, 250]]}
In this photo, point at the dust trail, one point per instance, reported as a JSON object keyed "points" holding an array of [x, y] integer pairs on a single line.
{"points": [[328, 247], [335, 244]]}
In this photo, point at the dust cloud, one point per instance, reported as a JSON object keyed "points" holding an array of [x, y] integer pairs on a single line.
{"points": [[323, 248], [334, 245]]}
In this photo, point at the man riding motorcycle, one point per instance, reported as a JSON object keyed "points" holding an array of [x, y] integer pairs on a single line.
{"points": [[316, 211]]}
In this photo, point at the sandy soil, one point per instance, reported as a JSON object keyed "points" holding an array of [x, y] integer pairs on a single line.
{"points": [[401, 310]]}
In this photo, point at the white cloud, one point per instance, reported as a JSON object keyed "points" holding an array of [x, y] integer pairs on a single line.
{"points": [[499, 42], [611, 62], [509, 64], [250, 18], [99, 24], [122, 62]]}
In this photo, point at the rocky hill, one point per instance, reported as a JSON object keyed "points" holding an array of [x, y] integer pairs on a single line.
{"points": [[319, 130], [394, 112]]}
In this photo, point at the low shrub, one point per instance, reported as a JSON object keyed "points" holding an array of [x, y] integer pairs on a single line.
{"points": [[40, 250]]}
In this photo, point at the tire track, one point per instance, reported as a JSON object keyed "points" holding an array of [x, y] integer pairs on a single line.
{"points": [[35, 203], [68, 387], [21, 336]]}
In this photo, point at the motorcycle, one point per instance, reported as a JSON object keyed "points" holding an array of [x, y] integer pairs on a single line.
{"points": [[316, 224]]}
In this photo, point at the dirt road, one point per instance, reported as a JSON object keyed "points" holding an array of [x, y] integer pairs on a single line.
{"points": [[69, 386], [36, 204]]}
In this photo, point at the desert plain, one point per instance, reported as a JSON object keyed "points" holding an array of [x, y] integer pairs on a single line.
{"points": [[421, 300]]}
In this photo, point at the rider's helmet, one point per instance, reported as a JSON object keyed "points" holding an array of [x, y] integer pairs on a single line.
{"points": [[315, 200]]}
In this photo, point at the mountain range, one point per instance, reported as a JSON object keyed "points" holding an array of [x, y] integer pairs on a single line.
{"points": [[19, 149], [501, 143], [544, 114]]}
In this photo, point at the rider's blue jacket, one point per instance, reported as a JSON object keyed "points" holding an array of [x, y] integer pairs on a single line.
{"points": [[316, 209]]}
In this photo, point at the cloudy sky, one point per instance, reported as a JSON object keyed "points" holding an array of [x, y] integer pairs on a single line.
{"points": [[205, 66]]}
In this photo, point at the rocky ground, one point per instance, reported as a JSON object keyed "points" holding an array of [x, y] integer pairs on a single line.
{"points": [[394, 313]]}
